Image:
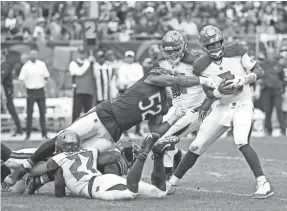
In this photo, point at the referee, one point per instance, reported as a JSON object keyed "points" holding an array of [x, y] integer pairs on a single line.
{"points": [[34, 74]]}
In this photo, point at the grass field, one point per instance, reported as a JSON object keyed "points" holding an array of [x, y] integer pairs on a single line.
{"points": [[221, 180]]}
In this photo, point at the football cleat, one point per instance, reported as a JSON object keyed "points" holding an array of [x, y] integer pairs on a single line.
{"points": [[165, 145], [32, 185], [263, 191], [170, 188], [147, 145], [16, 175]]}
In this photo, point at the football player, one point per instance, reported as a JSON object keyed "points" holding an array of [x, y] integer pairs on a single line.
{"points": [[177, 58], [103, 125], [110, 161], [233, 70], [76, 168]]}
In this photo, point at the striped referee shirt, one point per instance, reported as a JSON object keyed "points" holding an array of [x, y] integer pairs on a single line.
{"points": [[103, 74]]}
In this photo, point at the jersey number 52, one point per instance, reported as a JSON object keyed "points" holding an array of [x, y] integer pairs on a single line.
{"points": [[153, 107]]}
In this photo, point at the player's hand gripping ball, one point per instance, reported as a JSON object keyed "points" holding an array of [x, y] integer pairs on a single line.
{"points": [[230, 85]]}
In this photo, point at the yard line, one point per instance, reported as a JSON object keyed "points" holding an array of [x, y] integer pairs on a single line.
{"points": [[240, 158], [225, 192]]}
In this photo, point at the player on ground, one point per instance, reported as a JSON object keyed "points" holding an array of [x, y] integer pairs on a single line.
{"points": [[76, 168], [108, 162], [234, 70], [175, 57], [104, 124]]}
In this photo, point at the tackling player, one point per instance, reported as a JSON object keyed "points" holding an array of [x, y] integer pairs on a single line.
{"points": [[104, 124], [76, 168], [233, 70]]}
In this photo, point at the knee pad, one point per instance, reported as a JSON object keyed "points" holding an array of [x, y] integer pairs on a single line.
{"points": [[194, 148]]}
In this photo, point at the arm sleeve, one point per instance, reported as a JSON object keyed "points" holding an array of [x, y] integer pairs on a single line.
{"points": [[78, 71]]}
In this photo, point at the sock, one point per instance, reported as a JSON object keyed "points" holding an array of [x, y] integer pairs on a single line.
{"points": [[45, 150], [261, 179], [252, 160], [185, 164], [168, 158], [5, 152], [158, 173], [135, 174]]}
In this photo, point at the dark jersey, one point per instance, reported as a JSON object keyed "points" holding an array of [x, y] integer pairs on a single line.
{"points": [[140, 102]]}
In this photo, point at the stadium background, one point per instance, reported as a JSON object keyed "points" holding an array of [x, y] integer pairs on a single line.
{"points": [[118, 27]]}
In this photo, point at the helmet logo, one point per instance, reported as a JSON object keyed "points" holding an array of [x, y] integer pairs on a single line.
{"points": [[210, 32]]}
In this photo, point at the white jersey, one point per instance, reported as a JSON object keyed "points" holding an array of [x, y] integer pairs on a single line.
{"points": [[193, 96], [234, 62], [78, 168]]}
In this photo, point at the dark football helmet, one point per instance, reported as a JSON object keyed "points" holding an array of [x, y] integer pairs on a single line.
{"points": [[173, 46], [68, 141], [212, 41]]}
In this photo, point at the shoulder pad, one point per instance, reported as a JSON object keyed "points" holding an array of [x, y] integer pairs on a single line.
{"points": [[201, 64], [191, 56], [235, 49], [159, 71]]}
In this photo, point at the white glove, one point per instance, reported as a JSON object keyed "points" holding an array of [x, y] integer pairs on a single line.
{"points": [[208, 82]]}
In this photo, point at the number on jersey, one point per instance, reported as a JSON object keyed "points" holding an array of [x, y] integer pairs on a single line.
{"points": [[153, 107], [82, 165]]}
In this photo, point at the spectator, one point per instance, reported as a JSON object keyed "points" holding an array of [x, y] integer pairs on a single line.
{"points": [[113, 25], [55, 27], [32, 20], [129, 73], [272, 88], [82, 77], [188, 27], [39, 33], [143, 28], [149, 62], [34, 74], [10, 22], [103, 74], [7, 82]]}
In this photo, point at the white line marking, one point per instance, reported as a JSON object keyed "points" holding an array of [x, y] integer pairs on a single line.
{"points": [[16, 206], [241, 158], [225, 192]]}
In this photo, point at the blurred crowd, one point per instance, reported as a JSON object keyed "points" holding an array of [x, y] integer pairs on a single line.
{"points": [[140, 20]]}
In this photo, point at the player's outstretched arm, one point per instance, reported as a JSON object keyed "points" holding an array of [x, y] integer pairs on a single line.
{"points": [[184, 81], [156, 124]]}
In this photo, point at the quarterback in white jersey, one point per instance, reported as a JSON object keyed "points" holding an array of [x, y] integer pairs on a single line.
{"points": [[76, 169], [233, 70]]}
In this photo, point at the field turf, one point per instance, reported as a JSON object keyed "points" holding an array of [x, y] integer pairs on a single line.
{"points": [[220, 180]]}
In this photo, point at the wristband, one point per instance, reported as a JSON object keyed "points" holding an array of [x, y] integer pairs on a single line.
{"points": [[250, 78], [216, 93]]}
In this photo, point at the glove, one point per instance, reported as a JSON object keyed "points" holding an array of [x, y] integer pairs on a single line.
{"points": [[207, 82], [223, 89]]}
